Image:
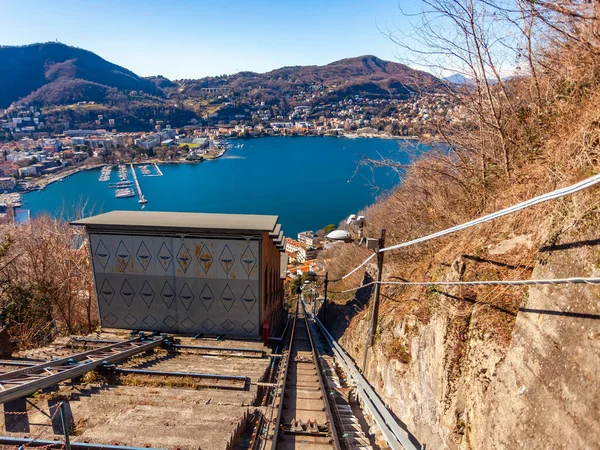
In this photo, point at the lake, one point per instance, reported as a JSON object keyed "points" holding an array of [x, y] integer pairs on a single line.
{"points": [[308, 181]]}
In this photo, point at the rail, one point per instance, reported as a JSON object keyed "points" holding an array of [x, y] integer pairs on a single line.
{"points": [[396, 437], [300, 357], [284, 372], [22, 382]]}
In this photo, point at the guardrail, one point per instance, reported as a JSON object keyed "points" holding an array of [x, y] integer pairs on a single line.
{"points": [[396, 437]]}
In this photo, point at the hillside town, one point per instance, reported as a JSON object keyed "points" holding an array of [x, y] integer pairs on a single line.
{"points": [[227, 116], [29, 149]]}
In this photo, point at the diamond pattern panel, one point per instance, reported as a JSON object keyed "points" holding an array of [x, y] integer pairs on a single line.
{"points": [[178, 285], [165, 257], [187, 323], [149, 320], [248, 299], [102, 254], [186, 296], [248, 260], [110, 319], [228, 325], [207, 297], [123, 256], [184, 258], [170, 322], [167, 294], [147, 294], [205, 259], [130, 320], [107, 292], [226, 259], [144, 256], [127, 293], [208, 324], [227, 298], [248, 326]]}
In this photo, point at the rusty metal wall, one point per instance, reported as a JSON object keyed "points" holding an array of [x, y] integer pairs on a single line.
{"points": [[177, 285]]}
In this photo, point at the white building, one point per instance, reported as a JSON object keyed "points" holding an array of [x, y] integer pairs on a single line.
{"points": [[7, 183], [147, 142], [306, 254], [309, 238], [293, 246], [28, 171]]}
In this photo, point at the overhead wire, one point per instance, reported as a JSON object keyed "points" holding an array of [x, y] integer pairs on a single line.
{"points": [[585, 184], [538, 282]]}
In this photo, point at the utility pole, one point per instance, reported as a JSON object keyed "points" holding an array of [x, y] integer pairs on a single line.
{"points": [[325, 299], [375, 312]]}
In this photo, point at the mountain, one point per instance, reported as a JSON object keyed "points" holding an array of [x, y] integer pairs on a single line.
{"points": [[457, 78], [53, 73], [366, 76]]}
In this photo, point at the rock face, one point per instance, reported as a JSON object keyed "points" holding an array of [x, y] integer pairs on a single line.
{"points": [[461, 388], [546, 391], [6, 347]]}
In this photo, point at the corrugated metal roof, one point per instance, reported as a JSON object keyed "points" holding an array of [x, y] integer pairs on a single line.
{"points": [[178, 220]]}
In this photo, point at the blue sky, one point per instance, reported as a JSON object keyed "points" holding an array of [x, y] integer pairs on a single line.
{"points": [[191, 39]]}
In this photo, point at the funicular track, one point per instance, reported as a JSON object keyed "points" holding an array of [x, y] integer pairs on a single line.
{"points": [[304, 416]]}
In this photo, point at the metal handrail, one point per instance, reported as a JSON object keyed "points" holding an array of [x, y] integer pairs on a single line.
{"points": [[395, 436]]}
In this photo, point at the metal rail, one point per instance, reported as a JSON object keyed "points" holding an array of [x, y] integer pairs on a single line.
{"points": [[21, 363], [312, 404], [284, 373], [222, 349], [260, 352], [22, 382], [322, 383], [396, 437], [242, 378], [8, 440]]}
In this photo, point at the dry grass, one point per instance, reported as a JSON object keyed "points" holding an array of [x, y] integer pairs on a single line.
{"points": [[395, 349], [554, 141]]}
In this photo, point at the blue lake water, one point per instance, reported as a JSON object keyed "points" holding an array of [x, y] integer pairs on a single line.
{"points": [[308, 181]]}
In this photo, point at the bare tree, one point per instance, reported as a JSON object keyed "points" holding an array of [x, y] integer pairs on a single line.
{"points": [[46, 267]]}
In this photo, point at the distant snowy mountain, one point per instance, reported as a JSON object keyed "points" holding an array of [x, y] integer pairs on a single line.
{"points": [[459, 79]]}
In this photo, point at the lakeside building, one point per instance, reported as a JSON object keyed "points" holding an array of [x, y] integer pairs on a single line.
{"points": [[299, 250], [27, 171], [292, 246], [219, 274], [309, 238], [7, 183], [84, 132], [306, 254]]}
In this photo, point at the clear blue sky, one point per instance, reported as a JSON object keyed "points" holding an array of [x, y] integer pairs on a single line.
{"points": [[191, 39]]}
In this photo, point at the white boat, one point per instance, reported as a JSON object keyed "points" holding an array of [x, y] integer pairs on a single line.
{"points": [[124, 193], [105, 173]]}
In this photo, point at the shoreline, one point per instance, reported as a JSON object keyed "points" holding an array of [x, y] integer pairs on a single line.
{"points": [[347, 136], [45, 182]]}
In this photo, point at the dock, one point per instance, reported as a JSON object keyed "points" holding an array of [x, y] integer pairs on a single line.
{"points": [[158, 171], [137, 185]]}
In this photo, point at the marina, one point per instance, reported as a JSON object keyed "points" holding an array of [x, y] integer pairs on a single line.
{"points": [[122, 172], [246, 180], [105, 173]]}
